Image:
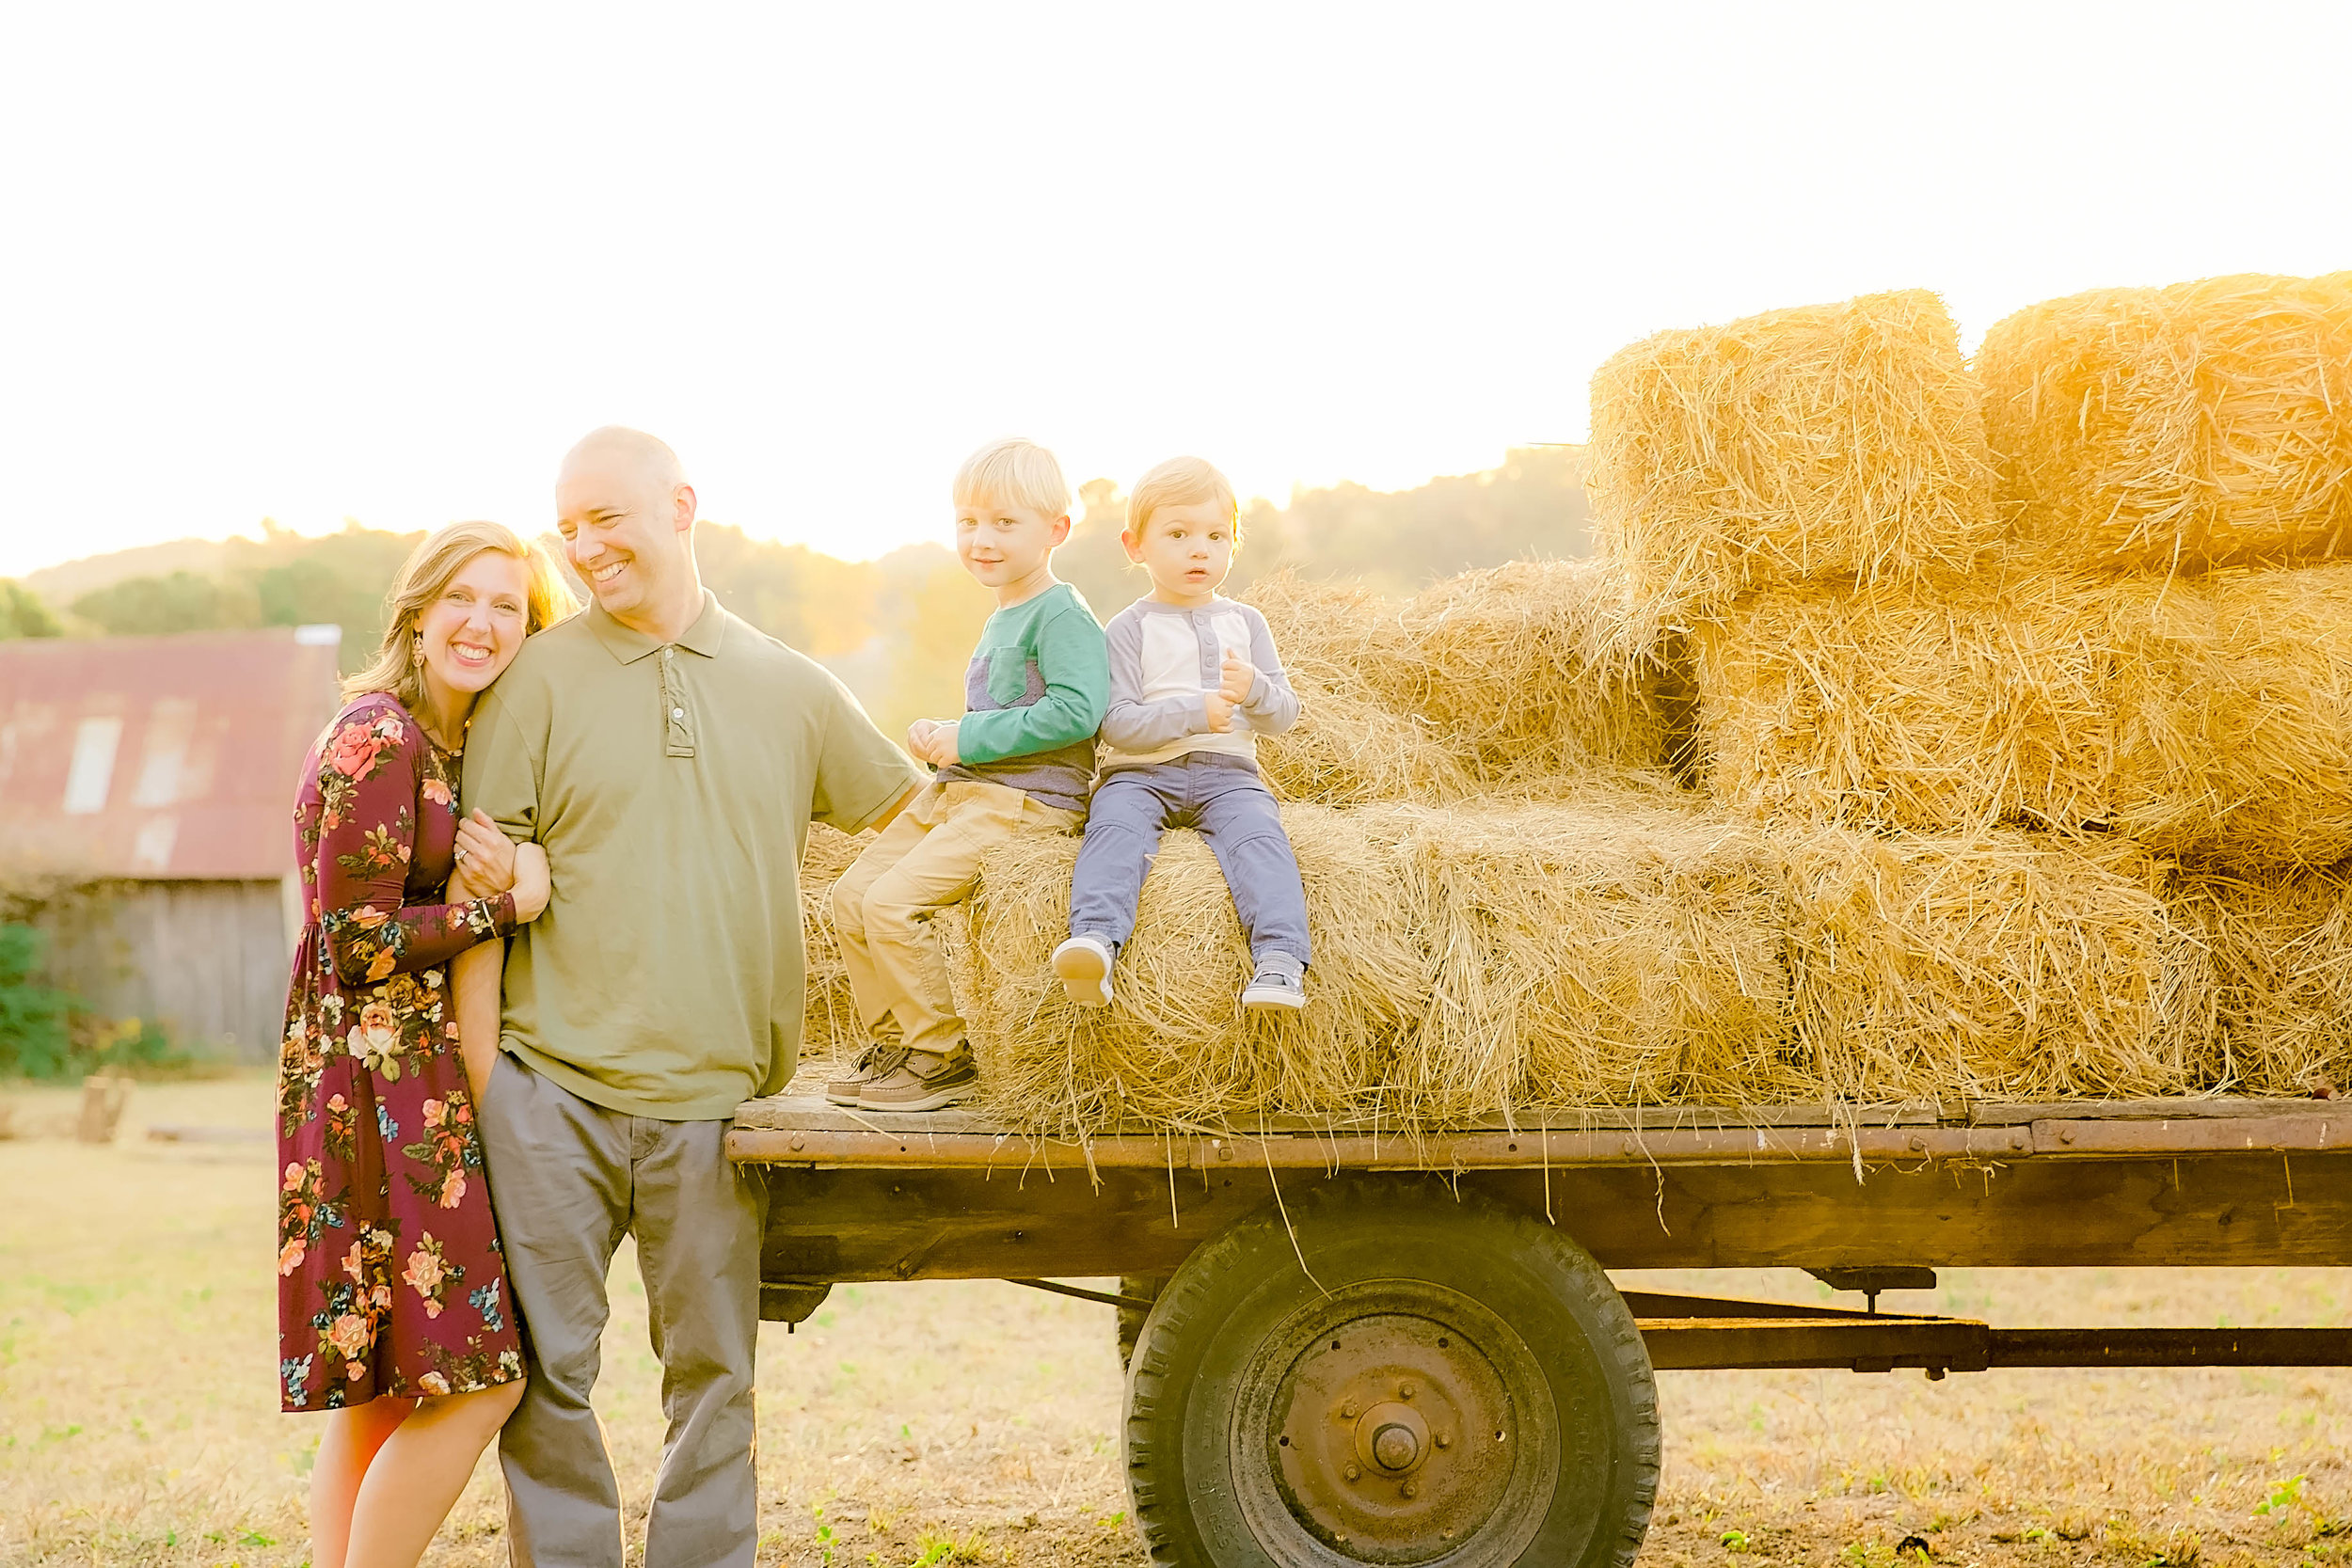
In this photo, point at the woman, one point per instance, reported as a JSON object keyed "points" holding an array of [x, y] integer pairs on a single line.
{"points": [[392, 1306]]}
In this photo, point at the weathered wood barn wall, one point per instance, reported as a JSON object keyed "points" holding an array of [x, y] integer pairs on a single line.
{"points": [[150, 782]]}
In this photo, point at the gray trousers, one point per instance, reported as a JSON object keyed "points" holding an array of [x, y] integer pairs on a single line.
{"points": [[568, 1180], [1222, 797]]}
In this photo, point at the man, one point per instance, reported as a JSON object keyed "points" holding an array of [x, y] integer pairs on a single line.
{"points": [[669, 758]]}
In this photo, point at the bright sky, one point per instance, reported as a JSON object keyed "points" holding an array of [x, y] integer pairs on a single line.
{"points": [[386, 263]]}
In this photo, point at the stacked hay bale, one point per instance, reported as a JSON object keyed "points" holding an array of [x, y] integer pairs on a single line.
{"points": [[1516, 679], [2177, 429], [2020, 720], [2053, 683]]}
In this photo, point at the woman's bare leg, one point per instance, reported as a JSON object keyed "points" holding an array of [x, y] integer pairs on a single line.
{"points": [[417, 1474], [348, 1446]]}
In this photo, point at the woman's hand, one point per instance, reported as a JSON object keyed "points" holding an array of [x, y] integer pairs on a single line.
{"points": [[485, 857], [531, 883]]}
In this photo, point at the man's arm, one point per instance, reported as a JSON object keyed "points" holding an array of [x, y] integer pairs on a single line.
{"points": [[475, 978], [892, 810], [863, 779]]}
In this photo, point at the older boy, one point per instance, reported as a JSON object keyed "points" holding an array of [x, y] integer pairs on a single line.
{"points": [[1194, 679], [1021, 754]]}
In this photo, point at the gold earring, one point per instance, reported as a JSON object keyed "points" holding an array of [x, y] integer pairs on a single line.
{"points": [[416, 648]]}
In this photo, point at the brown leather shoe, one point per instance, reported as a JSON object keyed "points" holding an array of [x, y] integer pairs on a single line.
{"points": [[876, 1061], [921, 1081]]}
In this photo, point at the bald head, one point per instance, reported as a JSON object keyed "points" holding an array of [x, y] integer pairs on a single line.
{"points": [[626, 515], [615, 449]]}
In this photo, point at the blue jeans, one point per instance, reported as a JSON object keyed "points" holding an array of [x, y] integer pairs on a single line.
{"points": [[1221, 797]]}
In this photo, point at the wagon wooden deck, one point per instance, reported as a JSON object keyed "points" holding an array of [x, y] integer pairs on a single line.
{"points": [[1350, 1344], [861, 1196]]}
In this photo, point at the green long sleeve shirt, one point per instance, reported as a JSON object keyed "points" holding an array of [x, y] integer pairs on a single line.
{"points": [[1034, 695]]}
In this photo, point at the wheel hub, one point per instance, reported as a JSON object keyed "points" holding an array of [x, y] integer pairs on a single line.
{"points": [[1392, 1438]]}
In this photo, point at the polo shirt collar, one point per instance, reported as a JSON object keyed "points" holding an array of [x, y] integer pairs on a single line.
{"points": [[630, 645]]}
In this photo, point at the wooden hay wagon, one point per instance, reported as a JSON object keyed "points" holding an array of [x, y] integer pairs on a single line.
{"points": [[1348, 1347]]}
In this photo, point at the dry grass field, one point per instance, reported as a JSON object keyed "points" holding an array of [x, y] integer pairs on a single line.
{"points": [[976, 1421]]}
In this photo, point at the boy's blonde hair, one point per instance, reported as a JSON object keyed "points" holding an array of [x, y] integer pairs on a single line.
{"points": [[1014, 473], [1182, 482]]}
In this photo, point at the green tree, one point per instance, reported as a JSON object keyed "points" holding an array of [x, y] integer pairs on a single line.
{"points": [[821, 606], [35, 1039], [1531, 507], [179, 602], [22, 613]]}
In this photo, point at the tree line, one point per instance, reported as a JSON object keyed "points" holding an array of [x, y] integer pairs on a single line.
{"points": [[897, 629]]}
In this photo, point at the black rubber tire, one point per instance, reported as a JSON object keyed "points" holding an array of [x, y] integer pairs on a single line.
{"points": [[1146, 1286], [1234, 1294]]}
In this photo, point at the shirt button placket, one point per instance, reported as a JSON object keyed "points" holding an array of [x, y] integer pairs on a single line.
{"points": [[680, 732]]}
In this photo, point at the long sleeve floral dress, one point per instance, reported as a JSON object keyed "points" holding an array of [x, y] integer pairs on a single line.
{"points": [[389, 1276]]}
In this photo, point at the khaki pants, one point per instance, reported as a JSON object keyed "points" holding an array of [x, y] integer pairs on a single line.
{"points": [[568, 1180], [926, 861]]}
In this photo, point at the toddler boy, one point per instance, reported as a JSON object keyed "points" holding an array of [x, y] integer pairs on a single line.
{"points": [[1194, 679], [1021, 752]]}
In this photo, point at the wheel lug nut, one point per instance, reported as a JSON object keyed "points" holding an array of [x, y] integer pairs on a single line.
{"points": [[1351, 1472], [1444, 1440], [1405, 1391], [1411, 1490], [1347, 1411]]}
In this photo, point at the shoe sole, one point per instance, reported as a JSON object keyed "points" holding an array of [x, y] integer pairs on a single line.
{"points": [[1276, 1001], [938, 1099], [837, 1097], [1084, 976]]}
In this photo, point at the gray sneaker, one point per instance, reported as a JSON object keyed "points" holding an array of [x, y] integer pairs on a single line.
{"points": [[876, 1060], [1279, 982]]}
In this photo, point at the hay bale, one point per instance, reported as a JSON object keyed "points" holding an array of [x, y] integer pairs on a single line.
{"points": [[1358, 739], [2203, 424], [1944, 706], [1831, 443], [2001, 966], [2209, 719], [2232, 715], [1521, 678], [829, 1022], [2281, 946], [1618, 952], [1174, 1048], [1529, 672]]}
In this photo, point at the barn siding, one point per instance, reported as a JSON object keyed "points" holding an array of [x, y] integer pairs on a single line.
{"points": [[207, 959]]}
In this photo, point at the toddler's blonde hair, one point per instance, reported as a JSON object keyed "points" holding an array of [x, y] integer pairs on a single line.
{"points": [[1182, 482], [1014, 473]]}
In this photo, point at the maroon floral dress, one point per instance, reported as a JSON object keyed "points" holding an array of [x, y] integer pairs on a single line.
{"points": [[390, 1279]]}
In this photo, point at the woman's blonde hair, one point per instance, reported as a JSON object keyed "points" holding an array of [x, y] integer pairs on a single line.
{"points": [[395, 670]]}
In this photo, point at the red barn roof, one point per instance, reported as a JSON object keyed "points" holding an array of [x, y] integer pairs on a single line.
{"points": [[159, 756]]}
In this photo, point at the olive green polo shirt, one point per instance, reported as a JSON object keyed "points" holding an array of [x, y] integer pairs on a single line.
{"points": [[672, 786]]}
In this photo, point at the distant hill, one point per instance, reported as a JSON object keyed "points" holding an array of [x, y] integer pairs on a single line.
{"points": [[62, 585]]}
